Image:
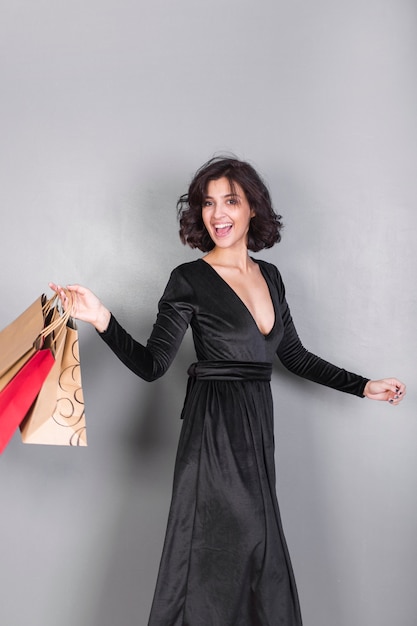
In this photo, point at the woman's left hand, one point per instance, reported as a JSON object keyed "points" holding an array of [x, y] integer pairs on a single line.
{"points": [[387, 389]]}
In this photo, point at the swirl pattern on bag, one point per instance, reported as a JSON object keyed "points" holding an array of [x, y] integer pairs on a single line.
{"points": [[69, 409]]}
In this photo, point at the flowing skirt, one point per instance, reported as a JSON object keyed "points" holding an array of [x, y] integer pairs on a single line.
{"points": [[225, 561]]}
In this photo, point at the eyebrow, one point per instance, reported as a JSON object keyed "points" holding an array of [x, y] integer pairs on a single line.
{"points": [[227, 195]]}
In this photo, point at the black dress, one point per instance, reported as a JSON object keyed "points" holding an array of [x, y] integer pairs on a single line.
{"points": [[225, 561]]}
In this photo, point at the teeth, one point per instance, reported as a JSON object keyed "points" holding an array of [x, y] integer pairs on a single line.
{"points": [[222, 226]]}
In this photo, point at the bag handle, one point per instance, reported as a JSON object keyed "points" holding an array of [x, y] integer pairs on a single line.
{"points": [[59, 323]]}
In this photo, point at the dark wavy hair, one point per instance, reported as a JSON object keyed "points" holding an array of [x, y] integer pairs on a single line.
{"points": [[265, 226]]}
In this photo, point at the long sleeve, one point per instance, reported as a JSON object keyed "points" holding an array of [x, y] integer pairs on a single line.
{"points": [[300, 361], [174, 314]]}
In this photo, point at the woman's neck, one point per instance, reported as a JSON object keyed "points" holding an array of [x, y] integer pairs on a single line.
{"points": [[226, 257]]}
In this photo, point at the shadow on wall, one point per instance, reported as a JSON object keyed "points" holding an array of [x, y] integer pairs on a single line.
{"points": [[317, 431], [147, 439], [301, 493]]}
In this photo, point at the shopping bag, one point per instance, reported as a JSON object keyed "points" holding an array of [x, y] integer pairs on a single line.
{"points": [[27, 348], [18, 339], [18, 395], [57, 416]]}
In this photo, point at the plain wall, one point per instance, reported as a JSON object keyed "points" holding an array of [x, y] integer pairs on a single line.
{"points": [[107, 108]]}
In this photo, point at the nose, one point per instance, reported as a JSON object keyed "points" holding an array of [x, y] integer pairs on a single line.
{"points": [[218, 209]]}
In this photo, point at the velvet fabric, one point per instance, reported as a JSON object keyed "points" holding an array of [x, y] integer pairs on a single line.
{"points": [[225, 561]]}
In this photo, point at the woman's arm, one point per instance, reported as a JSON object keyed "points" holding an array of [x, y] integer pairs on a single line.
{"points": [[296, 358], [151, 361]]}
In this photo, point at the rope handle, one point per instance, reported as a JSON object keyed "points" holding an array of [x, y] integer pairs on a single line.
{"points": [[58, 323]]}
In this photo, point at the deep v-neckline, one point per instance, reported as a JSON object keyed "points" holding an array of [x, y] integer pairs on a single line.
{"points": [[243, 304]]}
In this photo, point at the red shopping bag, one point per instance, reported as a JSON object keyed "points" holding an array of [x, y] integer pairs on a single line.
{"points": [[20, 393]]}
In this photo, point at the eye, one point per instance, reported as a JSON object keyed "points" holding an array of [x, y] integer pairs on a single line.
{"points": [[207, 203], [233, 201]]}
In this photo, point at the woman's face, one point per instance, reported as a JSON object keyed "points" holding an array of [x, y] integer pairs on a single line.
{"points": [[226, 214]]}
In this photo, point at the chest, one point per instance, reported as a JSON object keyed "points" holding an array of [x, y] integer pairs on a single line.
{"points": [[254, 294], [248, 292]]}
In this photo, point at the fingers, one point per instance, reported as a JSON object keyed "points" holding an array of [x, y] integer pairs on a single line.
{"points": [[400, 388], [398, 394], [397, 390], [62, 293], [58, 290]]}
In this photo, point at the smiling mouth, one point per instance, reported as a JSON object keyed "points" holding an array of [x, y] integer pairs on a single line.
{"points": [[223, 229]]}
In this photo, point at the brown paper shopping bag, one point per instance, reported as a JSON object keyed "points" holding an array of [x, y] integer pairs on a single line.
{"points": [[57, 415], [17, 340]]}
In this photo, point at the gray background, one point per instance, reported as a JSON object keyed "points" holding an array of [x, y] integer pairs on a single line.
{"points": [[107, 108]]}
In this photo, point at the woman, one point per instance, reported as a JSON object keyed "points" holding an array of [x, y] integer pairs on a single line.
{"points": [[225, 561]]}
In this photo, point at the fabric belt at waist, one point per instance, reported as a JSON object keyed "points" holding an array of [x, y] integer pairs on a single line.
{"points": [[230, 370]]}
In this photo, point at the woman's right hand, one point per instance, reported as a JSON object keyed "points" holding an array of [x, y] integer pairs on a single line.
{"points": [[85, 305]]}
